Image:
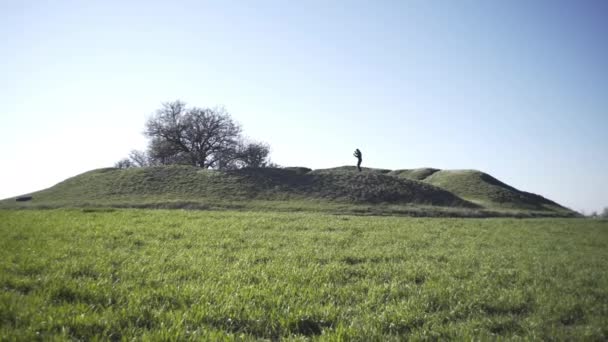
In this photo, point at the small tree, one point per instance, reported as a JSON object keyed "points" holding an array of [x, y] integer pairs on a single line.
{"points": [[140, 159], [244, 154], [253, 154], [124, 163], [604, 213]]}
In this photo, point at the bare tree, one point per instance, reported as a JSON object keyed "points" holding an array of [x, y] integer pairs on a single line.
{"points": [[162, 152], [124, 163], [227, 159], [196, 136], [253, 154], [139, 158], [244, 154], [203, 137]]}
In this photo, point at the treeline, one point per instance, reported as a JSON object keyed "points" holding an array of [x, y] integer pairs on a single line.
{"points": [[203, 137]]}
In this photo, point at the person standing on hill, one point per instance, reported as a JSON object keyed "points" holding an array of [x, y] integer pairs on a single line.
{"points": [[359, 157]]}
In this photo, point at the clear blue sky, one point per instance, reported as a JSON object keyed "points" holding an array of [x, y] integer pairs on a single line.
{"points": [[518, 89]]}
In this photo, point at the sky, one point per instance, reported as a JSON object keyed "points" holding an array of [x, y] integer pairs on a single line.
{"points": [[517, 89]]}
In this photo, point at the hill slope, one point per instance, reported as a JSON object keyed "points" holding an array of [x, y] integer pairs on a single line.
{"points": [[488, 191], [480, 188], [380, 189]]}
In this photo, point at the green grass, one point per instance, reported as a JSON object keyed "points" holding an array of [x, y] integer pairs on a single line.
{"points": [[415, 192], [198, 275]]}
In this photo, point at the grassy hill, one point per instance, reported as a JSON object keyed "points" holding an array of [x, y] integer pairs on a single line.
{"points": [[414, 174], [418, 191], [487, 191], [480, 188]]}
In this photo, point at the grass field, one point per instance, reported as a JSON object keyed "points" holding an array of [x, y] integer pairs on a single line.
{"points": [[179, 275]]}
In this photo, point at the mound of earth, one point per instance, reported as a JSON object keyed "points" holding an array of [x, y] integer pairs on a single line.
{"points": [[190, 183], [419, 187]]}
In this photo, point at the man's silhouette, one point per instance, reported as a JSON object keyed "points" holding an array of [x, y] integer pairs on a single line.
{"points": [[359, 157]]}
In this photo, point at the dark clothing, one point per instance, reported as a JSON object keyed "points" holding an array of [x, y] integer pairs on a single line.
{"points": [[359, 157]]}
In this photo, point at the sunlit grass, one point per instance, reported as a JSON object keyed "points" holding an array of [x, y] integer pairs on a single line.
{"points": [[176, 275]]}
